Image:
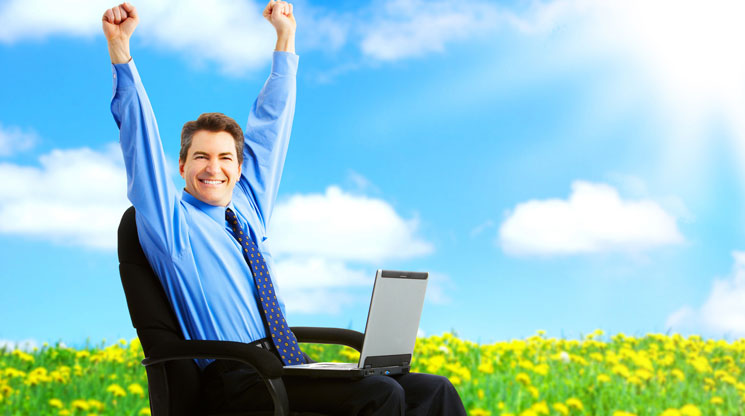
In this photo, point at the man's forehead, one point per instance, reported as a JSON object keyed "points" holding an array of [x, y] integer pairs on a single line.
{"points": [[212, 143]]}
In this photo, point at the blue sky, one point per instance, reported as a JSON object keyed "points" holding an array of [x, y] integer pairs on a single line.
{"points": [[562, 165]]}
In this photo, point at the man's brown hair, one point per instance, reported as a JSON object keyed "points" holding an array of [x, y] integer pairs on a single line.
{"points": [[211, 122]]}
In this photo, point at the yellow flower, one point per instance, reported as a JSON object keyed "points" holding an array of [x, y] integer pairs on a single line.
{"points": [[480, 393], [479, 412], [533, 391], [528, 412], [135, 388], [117, 390], [541, 369], [145, 411], [690, 410], [603, 378], [56, 403], [677, 373], [561, 408], [486, 367], [79, 405], [95, 405], [622, 413], [523, 379], [671, 412], [64, 412], [540, 408], [716, 400], [575, 403]]}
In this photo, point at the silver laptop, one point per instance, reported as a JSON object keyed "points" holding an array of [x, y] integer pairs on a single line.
{"points": [[390, 333]]}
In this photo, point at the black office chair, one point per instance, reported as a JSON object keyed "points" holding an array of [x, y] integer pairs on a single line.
{"points": [[173, 377]]}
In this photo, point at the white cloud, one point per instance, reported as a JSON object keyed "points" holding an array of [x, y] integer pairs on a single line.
{"points": [[406, 28], [231, 33], [319, 285], [328, 246], [438, 287], [338, 225], [723, 312], [14, 139], [74, 197], [593, 219]]}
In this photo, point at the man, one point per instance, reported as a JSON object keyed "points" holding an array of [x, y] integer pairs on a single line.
{"points": [[206, 243]]}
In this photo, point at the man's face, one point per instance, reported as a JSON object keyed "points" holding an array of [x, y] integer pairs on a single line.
{"points": [[211, 168]]}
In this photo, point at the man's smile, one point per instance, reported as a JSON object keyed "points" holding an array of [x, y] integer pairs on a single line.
{"points": [[212, 181]]}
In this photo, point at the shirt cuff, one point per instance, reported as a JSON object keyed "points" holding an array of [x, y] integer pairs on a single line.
{"points": [[125, 75], [284, 63]]}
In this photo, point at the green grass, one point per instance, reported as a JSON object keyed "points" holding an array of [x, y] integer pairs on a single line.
{"points": [[654, 375]]}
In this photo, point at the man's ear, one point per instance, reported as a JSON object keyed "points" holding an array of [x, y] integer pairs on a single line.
{"points": [[181, 167]]}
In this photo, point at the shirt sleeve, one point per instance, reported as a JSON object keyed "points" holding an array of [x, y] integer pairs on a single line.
{"points": [[149, 186], [266, 138]]}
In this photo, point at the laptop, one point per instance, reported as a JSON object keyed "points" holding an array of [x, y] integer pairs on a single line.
{"points": [[390, 332]]}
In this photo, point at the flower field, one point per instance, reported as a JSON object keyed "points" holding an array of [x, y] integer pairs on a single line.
{"points": [[655, 375]]}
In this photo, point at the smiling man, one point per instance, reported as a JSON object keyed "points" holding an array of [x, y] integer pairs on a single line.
{"points": [[206, 243]]}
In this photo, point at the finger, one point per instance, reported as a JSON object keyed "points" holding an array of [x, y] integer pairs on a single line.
{"points": [[117, 15], [124, 13], [290, 9], [268, 8], [108, 16], [131, 10]]}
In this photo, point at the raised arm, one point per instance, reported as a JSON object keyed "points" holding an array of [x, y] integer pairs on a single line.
{"points": [[267, 132], [149, 186]]}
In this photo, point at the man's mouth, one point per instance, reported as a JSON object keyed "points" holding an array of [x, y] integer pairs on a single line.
{"points": [[211, 181]]}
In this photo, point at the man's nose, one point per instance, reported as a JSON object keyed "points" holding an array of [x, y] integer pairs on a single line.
{"points": [[213, 166]]}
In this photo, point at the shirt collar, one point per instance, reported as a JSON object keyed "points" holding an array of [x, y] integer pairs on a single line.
{"points": [[216, 212]]}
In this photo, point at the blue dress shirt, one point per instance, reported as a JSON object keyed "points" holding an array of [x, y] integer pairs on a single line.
{"points": [[188, 242]]}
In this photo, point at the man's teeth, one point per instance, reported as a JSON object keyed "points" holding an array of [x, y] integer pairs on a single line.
{"points": [[208, 182]]}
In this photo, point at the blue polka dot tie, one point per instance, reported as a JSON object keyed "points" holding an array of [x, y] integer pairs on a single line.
{"points": [[282, 337]]}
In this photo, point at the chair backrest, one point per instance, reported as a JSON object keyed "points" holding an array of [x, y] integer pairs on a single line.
{"points": [[154, 320]]}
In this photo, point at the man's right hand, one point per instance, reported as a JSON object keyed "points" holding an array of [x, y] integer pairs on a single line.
{"points": [[118, 25]]}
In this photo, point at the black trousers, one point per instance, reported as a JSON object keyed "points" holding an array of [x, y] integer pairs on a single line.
{"points": [[232, 386]]}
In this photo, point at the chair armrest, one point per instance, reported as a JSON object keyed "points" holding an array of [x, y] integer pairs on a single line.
{"points": [[339, 336], [265, 362]]}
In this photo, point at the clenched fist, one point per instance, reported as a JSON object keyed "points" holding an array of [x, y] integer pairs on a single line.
{"points": [[279, 14], [118, 25]]}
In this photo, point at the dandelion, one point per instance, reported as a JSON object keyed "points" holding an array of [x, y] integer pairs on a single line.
{"points": [[145, 411], [575, 403], [716, 400], [671, 412], [561, 408], [80, 405], [523, 379], [622, 413], [540, 408], [603, 378], [690, 410], [56, 403], [135, 388], [479, 412], [116, 390]]}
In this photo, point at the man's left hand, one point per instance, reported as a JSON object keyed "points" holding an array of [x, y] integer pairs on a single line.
{"points": [[279, 14]]}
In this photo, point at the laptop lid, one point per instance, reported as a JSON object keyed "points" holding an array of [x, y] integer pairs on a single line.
{"points": [[393, 318]]}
